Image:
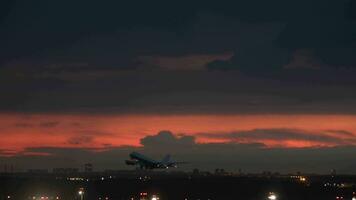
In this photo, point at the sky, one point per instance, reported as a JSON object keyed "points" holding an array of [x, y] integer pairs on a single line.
{"points": [[234, 84]]}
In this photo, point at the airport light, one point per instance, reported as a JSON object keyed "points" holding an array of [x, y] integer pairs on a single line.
{"points": [[155, 197], [272, 196], [302, 179], [81, 193]]}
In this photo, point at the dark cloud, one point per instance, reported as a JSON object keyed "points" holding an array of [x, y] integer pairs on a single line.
{"points": [[304, 58], [295, 57], [187, 92], [113, 33], [167, 139], [189, 62]]}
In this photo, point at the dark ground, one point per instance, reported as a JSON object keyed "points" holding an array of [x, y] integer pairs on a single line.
{"points": [[170, 187]]}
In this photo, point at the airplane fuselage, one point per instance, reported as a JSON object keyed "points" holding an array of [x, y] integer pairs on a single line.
{"points": [[148, 163]]}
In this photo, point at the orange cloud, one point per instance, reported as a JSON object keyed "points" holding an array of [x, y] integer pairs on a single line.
{"points": [[19, 131]]}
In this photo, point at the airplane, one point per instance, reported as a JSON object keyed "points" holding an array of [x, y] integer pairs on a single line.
{"points": [[148, 163]]}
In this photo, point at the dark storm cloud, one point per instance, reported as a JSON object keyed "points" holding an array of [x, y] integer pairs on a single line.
{"points": [[113, 33], [283, 57], [185, 92], [252, 157]]}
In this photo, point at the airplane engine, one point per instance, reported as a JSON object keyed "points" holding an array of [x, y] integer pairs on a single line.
{"points": [[131, 162]]}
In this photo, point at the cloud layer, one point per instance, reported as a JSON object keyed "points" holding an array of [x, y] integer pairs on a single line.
{"points": [[250, 157], [201, 57], [251, 80]]}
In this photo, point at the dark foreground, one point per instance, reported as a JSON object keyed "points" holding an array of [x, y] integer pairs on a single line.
{"points": [[174, 187]]}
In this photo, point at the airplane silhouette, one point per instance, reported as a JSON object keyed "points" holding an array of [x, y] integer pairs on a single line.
{"points": [[148, 163]]}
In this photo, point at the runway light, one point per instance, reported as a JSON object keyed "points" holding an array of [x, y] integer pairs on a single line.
{"points": [[302, 179], [272, 196], [81, 193], [154, 197]]}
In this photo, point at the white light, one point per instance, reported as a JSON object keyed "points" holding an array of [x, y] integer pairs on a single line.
{"points": [[353, 198], [80, 192], [272, 197], [154, 197]]}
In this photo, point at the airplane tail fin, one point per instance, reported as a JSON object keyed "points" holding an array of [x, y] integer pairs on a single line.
{"points": [[166, 159]]}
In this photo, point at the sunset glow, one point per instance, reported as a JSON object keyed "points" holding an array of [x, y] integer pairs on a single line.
{"points": [[102, 131]]}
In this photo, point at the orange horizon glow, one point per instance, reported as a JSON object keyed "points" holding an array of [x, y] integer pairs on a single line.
{"points": [[21, 131]]}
